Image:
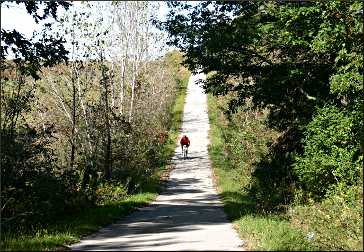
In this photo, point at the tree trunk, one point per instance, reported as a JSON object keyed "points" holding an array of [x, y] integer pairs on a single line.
{"points": [[112, 86], [132, 98], [108, 147], [83, 107], [108, 155], [122, 84], [73, 147]]}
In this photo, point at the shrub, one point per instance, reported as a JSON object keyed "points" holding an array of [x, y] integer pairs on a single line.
{"points": [[31, 191], [110, 191], [331, 151], [336, 223]]}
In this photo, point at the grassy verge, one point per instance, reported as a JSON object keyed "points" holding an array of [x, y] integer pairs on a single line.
{"points": [[69, 229], [177, 116], [259, 231]]}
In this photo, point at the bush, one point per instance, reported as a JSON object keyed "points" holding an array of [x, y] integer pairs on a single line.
{"points": [[110, 191], [331, 151], [31, 191], [336, 223]]}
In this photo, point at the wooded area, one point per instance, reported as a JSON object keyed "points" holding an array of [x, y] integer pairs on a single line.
{"points": [[87, 126], [87, 123], [289, 80]]}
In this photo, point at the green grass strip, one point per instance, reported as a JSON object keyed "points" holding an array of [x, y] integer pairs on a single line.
{"points": [[258, 231], [71, 228]]}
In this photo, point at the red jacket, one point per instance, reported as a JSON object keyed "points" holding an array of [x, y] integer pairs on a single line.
{"points": [[185, 141]]}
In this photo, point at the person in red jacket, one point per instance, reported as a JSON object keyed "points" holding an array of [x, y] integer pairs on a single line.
{"points": [[184, 141]]}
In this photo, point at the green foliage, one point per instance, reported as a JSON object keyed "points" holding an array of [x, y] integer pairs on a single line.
{"points": [[246, 143], [336, 223], [301, 62], [281, 54], [331, 151], [295, 59], [140, 148], [349, 77], [73, 138], [38, 180], [109, 192], [112, 199], [271, 233], [70, 228], [30, 189], [333, 224], [31, 54], [259, 229]]}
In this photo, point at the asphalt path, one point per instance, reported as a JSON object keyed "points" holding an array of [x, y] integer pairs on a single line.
{"points": [[188, 214]]}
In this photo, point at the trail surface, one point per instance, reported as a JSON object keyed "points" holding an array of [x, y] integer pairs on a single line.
{"points": [[188, 215]]}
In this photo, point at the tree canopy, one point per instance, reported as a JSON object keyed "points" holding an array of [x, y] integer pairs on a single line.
{"points": [[32, 54], [295, 53], [302, 60]]}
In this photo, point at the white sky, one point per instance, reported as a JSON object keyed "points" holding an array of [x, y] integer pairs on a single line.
{"points": [[16, 17]]}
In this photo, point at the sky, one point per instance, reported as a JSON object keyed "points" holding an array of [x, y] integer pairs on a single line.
{"points": [[16, 17]]}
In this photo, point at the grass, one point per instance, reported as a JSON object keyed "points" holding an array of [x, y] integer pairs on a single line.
{"points": [[259, 231], [177, 111], [69, 229]]}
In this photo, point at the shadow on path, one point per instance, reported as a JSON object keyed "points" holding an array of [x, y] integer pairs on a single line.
{"points": [[188, 214]]}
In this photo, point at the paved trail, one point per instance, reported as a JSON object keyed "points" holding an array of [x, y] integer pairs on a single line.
{"points": [[188, 215]]}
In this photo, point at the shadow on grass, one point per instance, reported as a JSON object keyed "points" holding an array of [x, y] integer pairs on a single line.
{"points": [[67, 229], [92, 219], [242, 202], [237, 205]]}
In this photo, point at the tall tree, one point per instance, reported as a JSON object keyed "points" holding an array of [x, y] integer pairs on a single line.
{"points": [[293, 58]]}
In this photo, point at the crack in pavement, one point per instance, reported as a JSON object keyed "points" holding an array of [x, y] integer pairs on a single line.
{"points": [[188, 214]]}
